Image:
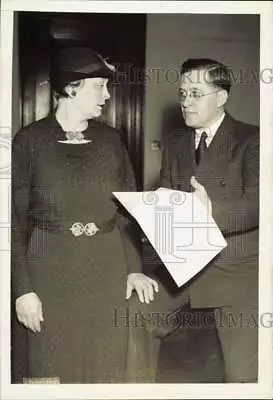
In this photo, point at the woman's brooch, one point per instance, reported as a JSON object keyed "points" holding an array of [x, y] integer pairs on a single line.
{"points": [[74, 138]]}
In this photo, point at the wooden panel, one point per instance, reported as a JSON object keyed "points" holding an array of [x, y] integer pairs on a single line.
{"points": [[34, 65], [124, 112]]}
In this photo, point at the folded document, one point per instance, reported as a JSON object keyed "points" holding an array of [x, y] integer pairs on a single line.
{"points": [[178, 226]]}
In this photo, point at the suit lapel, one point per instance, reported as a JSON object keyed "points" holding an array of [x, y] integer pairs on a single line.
{"points": [[220, 150], [215, 161]]}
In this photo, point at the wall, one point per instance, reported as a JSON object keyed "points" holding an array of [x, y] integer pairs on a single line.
{"points": [[231, 39]]}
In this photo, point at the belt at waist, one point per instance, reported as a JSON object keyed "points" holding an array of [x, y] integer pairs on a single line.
{"points": [[78, 228]]}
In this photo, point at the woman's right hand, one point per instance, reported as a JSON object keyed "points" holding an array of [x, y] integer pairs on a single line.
{"points": [[29, 311], [143, 285]]}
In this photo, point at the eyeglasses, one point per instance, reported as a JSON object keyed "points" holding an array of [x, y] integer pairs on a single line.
{"points": [[195, 95]]}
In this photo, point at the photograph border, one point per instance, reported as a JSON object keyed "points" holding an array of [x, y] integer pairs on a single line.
{"points": [[264, 387]]}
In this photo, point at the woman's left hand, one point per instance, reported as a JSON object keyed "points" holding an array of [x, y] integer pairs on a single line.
{"points": [[143, 285]]}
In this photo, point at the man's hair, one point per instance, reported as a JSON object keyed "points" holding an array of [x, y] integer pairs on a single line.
{"points": [[217, 72]]}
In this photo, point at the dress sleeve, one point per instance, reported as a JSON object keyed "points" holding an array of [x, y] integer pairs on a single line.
{"points": [[20, 199], [130, 231]]}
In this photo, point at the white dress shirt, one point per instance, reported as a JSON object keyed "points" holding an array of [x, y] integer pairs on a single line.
{"points": [[210, 131]]}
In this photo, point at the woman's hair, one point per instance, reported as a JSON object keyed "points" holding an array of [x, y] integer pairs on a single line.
{"points": [[59, 85], [217, 72]]}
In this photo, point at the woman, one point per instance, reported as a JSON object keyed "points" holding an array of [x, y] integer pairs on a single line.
{"points": [[72, 255]]}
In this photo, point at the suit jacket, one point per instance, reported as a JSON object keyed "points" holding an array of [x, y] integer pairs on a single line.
{"points": [[229, 171]]}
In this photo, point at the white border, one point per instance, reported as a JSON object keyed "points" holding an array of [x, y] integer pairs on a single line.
{"points": [[206, 7], [163, 391]]}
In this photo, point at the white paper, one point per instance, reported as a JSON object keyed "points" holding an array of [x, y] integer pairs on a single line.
{"points": [[178, 226]]}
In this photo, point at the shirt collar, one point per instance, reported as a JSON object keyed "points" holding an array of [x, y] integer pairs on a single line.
{"points": [[210, 131]]}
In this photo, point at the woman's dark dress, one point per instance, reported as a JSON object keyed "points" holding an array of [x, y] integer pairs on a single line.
{"points": [[81, 281]]}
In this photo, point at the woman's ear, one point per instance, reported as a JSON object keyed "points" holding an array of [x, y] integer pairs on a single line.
{"points": [[70, 91]]}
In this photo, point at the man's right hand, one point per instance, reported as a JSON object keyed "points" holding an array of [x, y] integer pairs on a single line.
{"points": [[29, 311]]}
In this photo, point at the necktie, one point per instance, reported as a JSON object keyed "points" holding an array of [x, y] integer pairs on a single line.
{"points": [[202, 148]]}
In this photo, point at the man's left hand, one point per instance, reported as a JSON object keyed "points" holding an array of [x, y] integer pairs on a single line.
{"points": [[202, 195]]}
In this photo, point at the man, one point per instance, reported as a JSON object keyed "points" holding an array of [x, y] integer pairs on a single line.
{"points": [[218, 157]]}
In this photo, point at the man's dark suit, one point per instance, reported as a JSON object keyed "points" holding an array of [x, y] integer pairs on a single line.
{"points": [[229, 172]]}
